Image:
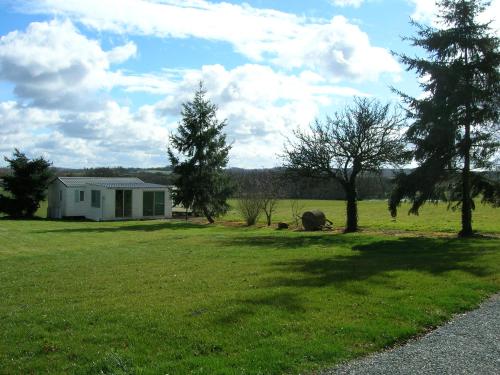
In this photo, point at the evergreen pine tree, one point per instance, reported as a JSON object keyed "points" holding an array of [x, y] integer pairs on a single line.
{"points": [[455, 128], [26, 185], [200, 158]]}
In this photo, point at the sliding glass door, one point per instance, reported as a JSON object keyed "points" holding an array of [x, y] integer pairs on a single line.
{"points": [[153, 203], [123, 203]]}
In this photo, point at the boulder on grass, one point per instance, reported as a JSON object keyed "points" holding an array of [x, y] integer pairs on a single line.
{"points": [[283, 226], [313, 220]]}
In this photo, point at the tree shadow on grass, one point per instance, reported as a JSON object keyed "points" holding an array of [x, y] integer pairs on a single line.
{"points": [[430, 255], [365, 258], [291, 242], [284, 301], [127, 228], [369, 257]]}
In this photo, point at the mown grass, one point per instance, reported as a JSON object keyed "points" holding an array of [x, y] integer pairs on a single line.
{"points": [[172, 297]]}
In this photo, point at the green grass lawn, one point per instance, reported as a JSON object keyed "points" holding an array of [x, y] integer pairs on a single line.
{"points": [[157, 297]]}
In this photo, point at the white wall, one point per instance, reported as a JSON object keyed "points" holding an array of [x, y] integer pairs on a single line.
{"points": [[55, 205], [73, 207], [69, 207]]}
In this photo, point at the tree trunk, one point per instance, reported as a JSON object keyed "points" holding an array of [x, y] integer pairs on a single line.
{"points": [[466, 198], [466, 193], [351, 208], [208, 216], [268, 217]]}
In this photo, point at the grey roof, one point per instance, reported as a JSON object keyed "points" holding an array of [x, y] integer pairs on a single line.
{"points": [[129, 185], [109, 182]]}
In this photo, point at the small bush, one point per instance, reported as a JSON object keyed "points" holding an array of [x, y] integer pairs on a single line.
{"points": [[250, 208]]}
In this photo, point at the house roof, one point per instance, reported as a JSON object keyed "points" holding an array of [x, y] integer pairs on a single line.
{"points": [[109, 182], [128, 185]]}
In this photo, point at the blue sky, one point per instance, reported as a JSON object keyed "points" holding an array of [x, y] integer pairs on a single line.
{"points": [[101, 82]]}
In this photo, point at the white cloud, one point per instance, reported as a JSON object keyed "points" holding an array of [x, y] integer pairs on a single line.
{"points": [[14, 118], [262, 107], [338, 49], [425, 10], [113, 136], [348, 3], [258, 34], [53, 65], [122, 53]]}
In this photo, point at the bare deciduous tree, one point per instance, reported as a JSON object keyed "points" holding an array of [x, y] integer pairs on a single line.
{"points": [[270, 191], [297, 207], [364, 137]]}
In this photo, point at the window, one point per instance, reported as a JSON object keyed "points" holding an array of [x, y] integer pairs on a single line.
{"points": [[95, 197], [79, 196], [60, 195], [153, 203]]}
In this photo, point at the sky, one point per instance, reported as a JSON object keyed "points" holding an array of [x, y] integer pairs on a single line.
{"points": [[101, 82]]}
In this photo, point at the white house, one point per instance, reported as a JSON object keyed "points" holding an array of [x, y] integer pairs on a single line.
{"points": [[108, 198]]}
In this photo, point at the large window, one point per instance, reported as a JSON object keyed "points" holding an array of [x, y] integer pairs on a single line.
{"points": [[153, 203], [95, 198], [123, 203]]}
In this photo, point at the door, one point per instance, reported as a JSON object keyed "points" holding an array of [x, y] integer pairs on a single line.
{"points": [[123, 203], [153, 203]]}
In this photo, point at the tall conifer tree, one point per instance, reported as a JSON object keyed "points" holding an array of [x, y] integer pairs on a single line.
{"points": [[200, 156], [455, 128]]}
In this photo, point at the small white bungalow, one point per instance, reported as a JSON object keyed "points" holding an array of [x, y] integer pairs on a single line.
{"points": [[108, 198]]}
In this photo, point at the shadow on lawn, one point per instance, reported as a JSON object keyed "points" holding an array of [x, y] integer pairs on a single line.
{"points": [[369, 257], [284, 301], [127, 228], [431, 255]]}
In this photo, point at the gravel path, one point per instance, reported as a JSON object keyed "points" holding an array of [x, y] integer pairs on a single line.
{"points": [[469, 344]]}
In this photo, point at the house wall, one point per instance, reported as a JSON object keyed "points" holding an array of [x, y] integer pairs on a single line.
{"points": [[68, 206], [75, 207], [54, 204]]}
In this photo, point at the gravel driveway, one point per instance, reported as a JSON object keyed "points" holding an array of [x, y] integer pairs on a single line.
{"points": [[469, 344]]}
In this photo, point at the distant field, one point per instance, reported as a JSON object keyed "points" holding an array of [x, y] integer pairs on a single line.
{"points": [[373, 215], [153, 297]]}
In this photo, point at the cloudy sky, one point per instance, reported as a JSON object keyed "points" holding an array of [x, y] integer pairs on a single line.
{"points": [[100, 82]]}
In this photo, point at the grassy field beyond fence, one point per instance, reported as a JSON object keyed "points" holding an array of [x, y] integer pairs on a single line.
{"points": [[374, 215], [150, 297]]}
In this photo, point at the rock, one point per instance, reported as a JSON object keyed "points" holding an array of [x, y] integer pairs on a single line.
{"points": [[313, 220], [283, 225]]}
